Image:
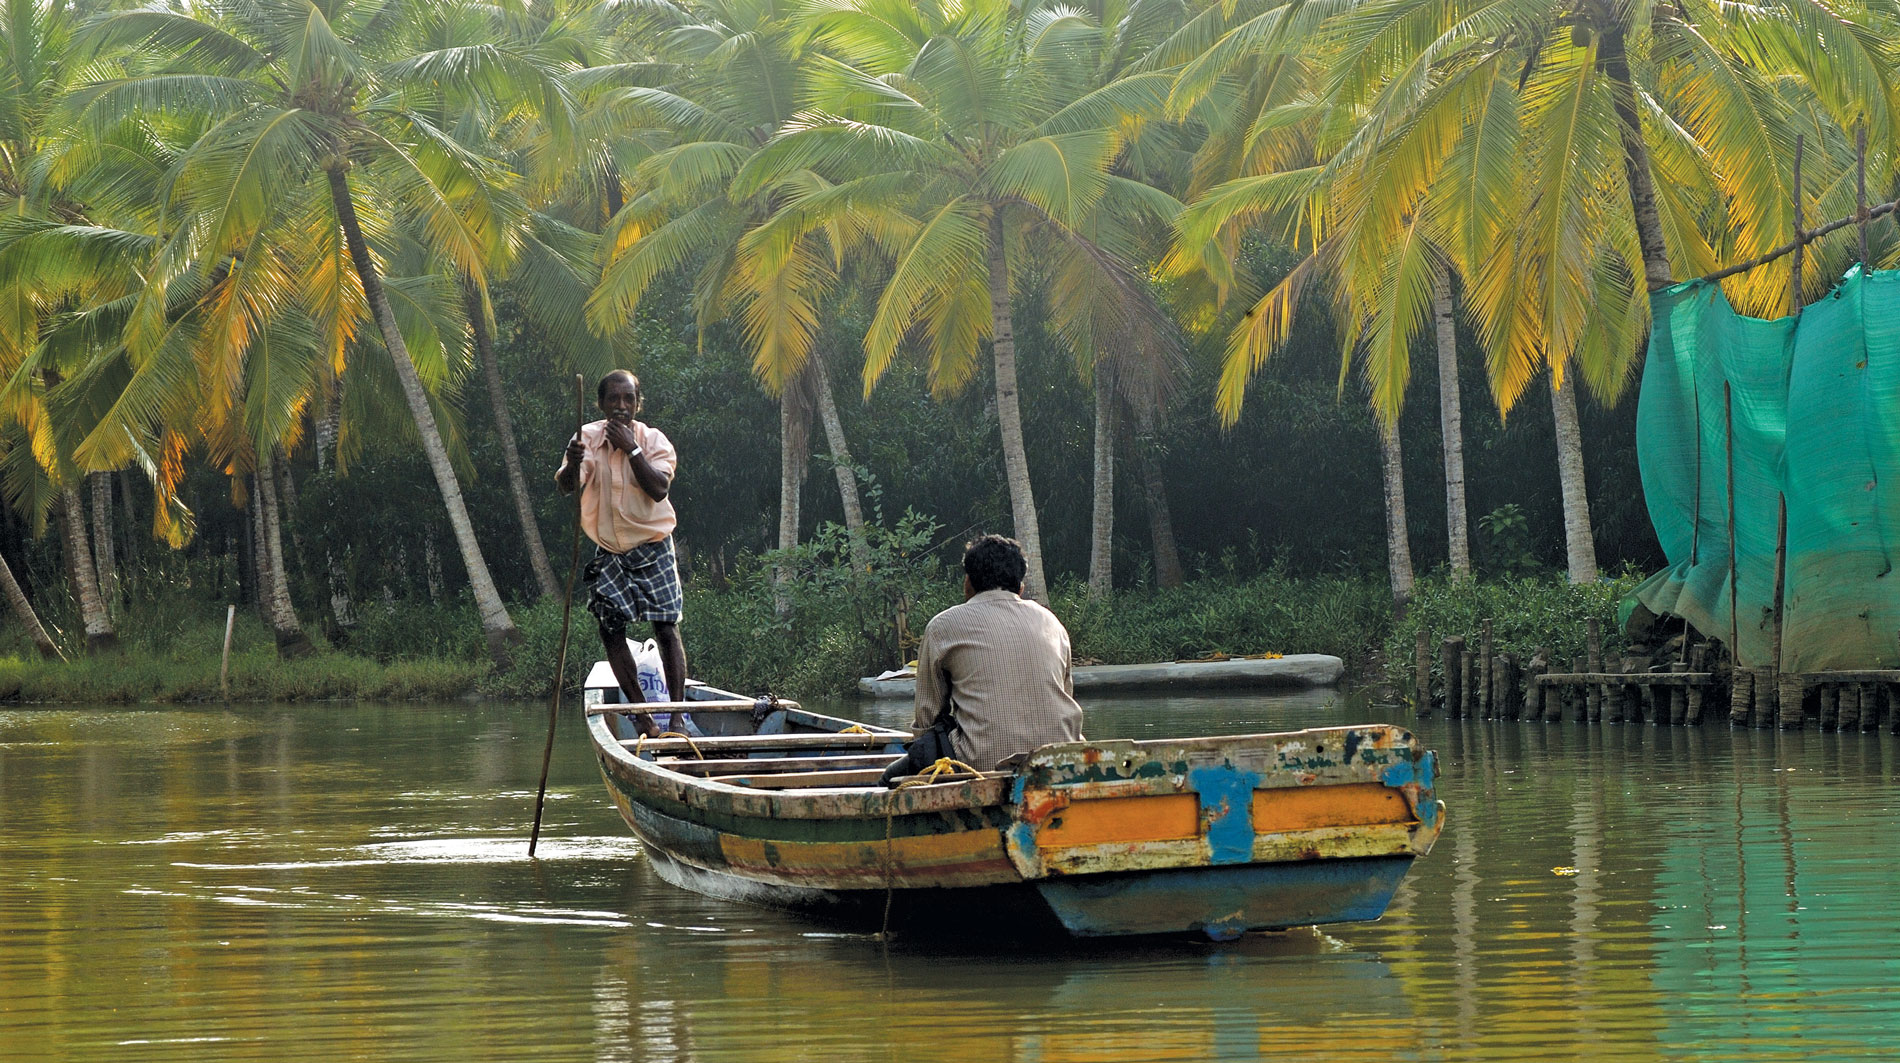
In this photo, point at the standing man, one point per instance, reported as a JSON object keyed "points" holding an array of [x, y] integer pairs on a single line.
{"points": [[999, 663], [624, 469]]}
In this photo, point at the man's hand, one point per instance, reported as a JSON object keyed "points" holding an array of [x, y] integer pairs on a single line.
{"points": [[575, 451], [620, 434]]}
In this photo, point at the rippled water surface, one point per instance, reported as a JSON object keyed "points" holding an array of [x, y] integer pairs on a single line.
{"points": [[350, 882]]}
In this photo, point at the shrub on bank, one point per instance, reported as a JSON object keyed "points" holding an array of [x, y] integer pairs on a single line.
{"points": [[1526, 613], [834, 626]]}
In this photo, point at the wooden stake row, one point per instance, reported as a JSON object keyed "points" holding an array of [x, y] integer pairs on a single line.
{"points": [[1480, 684]]}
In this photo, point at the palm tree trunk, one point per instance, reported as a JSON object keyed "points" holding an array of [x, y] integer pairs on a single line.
{"points": [[342, 611], [841, 465], [1102, 520], [102, 538], [1451, 423], [1614, 57], [1009, 415], [273, 589], [510, 456], [791, 473], [496, 624], [288, 510], [1398, 546], [23, 612], [1579, 542], [100, 638], [1154, 492]]}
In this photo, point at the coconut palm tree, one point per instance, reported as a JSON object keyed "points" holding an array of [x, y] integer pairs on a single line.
{"points": [[317, 140], [983, 124], [733, 72], [1522, 142]]}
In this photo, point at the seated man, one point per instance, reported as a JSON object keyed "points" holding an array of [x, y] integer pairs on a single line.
{"points": [[998, 663]]}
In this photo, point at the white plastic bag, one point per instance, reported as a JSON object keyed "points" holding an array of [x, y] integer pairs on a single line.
{"points": [[646, 662]]}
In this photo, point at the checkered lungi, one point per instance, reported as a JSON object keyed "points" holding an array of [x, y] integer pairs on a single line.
{"points": [[641, 584]]}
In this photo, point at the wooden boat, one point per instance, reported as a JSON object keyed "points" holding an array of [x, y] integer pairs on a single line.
{"points": [[780, 806]]}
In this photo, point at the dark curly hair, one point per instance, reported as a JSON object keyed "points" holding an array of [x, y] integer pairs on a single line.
{"points": [[994, 563], [600, 389]]}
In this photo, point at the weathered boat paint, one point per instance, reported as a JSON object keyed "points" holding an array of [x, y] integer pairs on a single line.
{"points": [[1215, 835], [1225, 902]]}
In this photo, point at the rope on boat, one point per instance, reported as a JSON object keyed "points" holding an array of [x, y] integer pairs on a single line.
{"points": [[637, 746], [934, 774], [855, 729]]}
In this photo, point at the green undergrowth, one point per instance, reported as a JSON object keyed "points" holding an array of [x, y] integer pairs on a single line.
{"points": [[1526, 613], [833, 631]]}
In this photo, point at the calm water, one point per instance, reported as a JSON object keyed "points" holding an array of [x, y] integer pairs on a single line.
{"points": [[350, 882]]}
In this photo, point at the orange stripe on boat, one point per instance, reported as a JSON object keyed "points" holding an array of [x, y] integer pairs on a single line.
{"points": [[1344, 805], [1151, 818]]}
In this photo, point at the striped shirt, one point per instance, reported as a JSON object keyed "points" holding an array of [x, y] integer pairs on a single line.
{"points": [[1003, 662]]}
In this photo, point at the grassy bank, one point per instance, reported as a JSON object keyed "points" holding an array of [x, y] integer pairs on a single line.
{"points": [[834, 633]]}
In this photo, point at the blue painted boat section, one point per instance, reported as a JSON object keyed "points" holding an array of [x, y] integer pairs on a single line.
{"points": [[1227, 809], [1224, 902]]}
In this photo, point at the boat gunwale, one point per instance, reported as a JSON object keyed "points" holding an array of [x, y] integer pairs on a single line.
{"points": [[993, 789]]}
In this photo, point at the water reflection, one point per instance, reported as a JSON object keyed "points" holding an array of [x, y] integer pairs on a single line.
{"points": [[350, 881]]}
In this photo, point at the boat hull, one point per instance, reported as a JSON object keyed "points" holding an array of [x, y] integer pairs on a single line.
{"points": [[1213, 836]]}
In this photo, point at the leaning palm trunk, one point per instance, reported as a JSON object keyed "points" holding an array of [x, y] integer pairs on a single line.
{"points": [[1452, 427], [1398, 547], [842, 465], [1614, 56], [496, 625], [1009, 415], [100, 637], [510, 456], [1579, 542], [103, 562], [1102, 521], [23, 612], [273, 589]]}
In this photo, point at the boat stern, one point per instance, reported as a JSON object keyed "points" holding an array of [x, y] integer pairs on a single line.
{"points": [[1223, 835]]}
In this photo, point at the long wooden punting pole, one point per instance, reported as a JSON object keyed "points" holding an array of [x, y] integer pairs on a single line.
{"points": [[567, 614]]}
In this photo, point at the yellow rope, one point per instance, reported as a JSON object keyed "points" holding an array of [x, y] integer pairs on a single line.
{"points": [[936, 772], [855, 729], [641, 744]]}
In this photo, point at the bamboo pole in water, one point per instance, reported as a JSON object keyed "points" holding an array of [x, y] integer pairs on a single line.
{"points": [[567, 613]]}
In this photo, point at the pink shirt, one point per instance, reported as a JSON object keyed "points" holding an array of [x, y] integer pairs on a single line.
{"points": [[615, 512]]}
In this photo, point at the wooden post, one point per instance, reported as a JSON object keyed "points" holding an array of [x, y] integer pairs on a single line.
{"points": [[1422, 675], [1485, 661], [1468, 668], [1741, 696], [1449, 653], [1679, 698], [1860, 187], [1575, 697], [1791, 712], [1766, 689], [1504, 698], [1781, 713], [1695, 706], [1728, 449], [1830, 706], [1848, 694], [1536, 703], [224, 670], [1593, 644]]}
